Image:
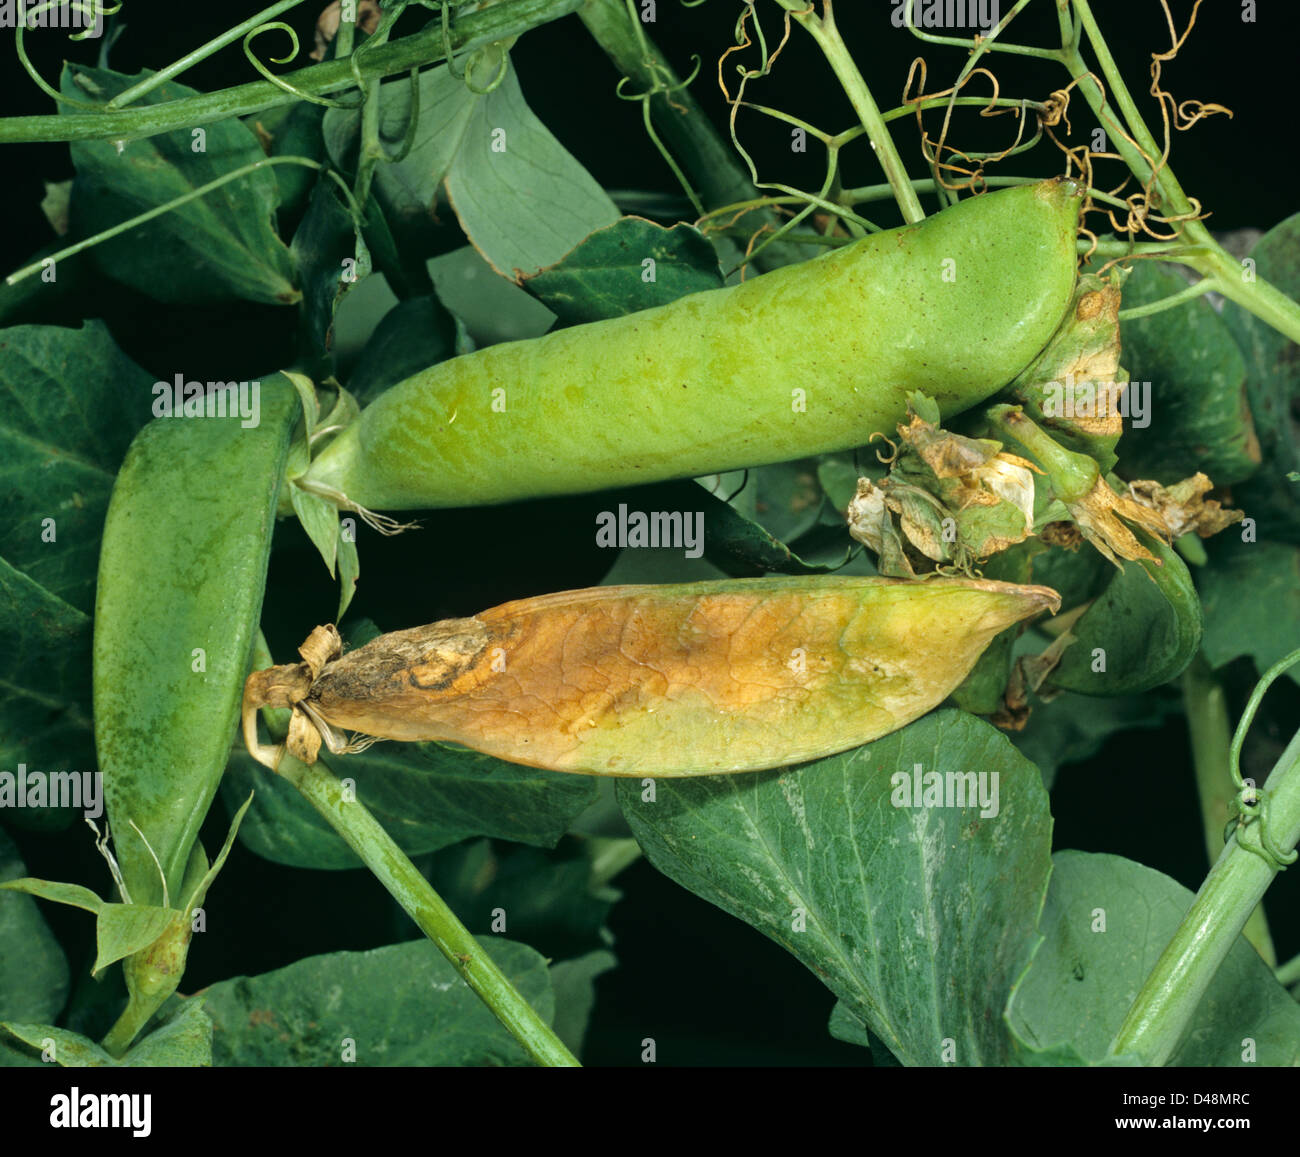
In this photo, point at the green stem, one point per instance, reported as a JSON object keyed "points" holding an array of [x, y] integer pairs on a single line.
{"points": [[1289, 973], [190, 59], [472, 30], [412, 891], [1199, 289], [1072, 475], [1210, 731], [1263, 300], [1164, 1007], [824, 31]]}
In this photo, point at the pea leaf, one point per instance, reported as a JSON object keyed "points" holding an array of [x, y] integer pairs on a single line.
{"points": [[216, 248], [522, 199], [414, 334], [291, 130], [183, 1039], [70, 403], [398, 1005], [330, 258], [918, 919], [1199, 418], [630, 265], [426, 796], [1084, 976], [736, 544], [1250, 592], [1140, 632], [33, 969], [1273, 386]]}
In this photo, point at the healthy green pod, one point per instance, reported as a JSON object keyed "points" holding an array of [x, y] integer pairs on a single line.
{"points": [[691, 679], [808, 359]]}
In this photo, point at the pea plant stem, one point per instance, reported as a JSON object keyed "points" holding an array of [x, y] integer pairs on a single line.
{"points": [[186, 62], [412, 891], [824, 31], [1158, 1018], [1133, 141], [471, 30], [1210, 732]]}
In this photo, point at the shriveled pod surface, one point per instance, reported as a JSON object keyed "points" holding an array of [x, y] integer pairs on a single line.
{"points": [[692, 679], [810, 358]]}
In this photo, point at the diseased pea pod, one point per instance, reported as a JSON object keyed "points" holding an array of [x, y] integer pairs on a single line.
{"points": [[691, 679], [808, 359], [181, 575]]}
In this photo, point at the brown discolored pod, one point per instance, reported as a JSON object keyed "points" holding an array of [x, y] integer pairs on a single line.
{"points": [[693, 679]]}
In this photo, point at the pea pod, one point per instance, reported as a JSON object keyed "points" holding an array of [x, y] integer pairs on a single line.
{"points": [[810, 358], [691, 679], [181, 573]]}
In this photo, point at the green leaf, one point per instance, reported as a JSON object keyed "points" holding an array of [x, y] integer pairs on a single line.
{"points": [[184, 1039], [413, 335], [44, 664], [1273, 385], [330, 258], [1250, 592], [124, 929], [521, 197], [399, 1005], [574, 984], [737, 545], [425, 795], [1188, 359], [291, 130], [607, 275], [919, 919], [1085, 974], [1140, 632], [1072, 728], [214, 249], [74, 895], [181, 578], [33, 969], [70, 403], [70, 1050], [546, 898]]}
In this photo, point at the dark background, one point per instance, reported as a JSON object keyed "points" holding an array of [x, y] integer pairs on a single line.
{"points": [[707, 987]]}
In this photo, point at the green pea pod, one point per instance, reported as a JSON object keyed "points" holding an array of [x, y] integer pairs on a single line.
{"points": [[181, 574], [1141, 631], [808, 359]]}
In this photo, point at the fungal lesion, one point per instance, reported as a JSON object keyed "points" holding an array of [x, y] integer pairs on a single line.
{"points": [[328, 683]]}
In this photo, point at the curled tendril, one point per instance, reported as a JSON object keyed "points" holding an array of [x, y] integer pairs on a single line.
{"points": [[661, 87], [94, 10], [933, 151], [767, 58], [1251, 802], [885, 459], [503, 68], [280, 82]]}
